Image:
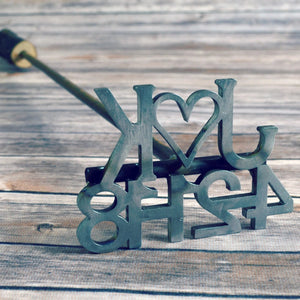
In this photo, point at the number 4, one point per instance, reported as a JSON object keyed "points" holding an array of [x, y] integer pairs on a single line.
{"points": [[263, 177]]}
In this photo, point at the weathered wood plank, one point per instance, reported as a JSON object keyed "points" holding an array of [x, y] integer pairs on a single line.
{"points": [[66, 175], [100, 144], [250, 110], [161, 23], [212, 62], [160, 31], [95, 294], [86, 294], [251, 272], [133, 6], [273, 87], [174, 59]]}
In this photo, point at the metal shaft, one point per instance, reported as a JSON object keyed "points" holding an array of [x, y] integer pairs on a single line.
{"points": [[160, 150], [68, 85]]}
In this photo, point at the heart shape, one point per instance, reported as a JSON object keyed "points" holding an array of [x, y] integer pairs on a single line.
{"points": [[186, 108]]}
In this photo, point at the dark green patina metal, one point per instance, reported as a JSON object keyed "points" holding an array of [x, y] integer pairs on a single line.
{"points": [[138, 176]]}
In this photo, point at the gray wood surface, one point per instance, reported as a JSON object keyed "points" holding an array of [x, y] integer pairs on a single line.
{"points": [[48, 138]]}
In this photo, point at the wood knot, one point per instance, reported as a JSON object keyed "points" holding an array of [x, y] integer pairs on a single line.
{"points": [[44, 226]]}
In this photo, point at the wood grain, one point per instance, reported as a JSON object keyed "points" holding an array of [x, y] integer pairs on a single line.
{"points": [[196, 265]]}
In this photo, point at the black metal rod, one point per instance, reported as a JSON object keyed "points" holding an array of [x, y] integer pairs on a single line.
{"points": [[68, 85], [161, 169]]}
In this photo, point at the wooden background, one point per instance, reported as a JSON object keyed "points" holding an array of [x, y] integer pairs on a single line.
{"points": [[48, 138]]}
